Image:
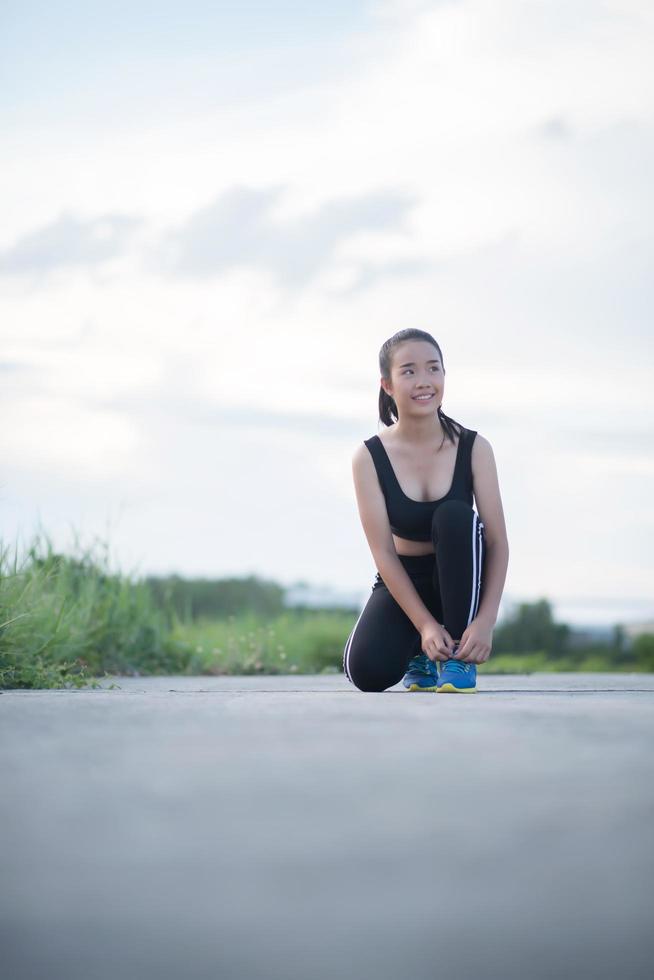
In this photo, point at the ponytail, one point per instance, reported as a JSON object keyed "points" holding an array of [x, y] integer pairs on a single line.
{"points": [[387, 408]]}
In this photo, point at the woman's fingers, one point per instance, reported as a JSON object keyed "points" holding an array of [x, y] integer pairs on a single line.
{"points": [[470, 654]]}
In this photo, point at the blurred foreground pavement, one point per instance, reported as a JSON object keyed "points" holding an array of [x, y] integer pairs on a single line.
{"points": [[294, 828]]}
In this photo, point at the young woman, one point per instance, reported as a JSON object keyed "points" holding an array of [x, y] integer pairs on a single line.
{"points": [[441, 564]]}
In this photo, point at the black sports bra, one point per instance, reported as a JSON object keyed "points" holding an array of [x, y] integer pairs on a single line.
{"points": [[411, 518]]}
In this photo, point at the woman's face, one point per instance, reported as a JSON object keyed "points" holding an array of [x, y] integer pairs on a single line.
{"points": [[416, 370]]}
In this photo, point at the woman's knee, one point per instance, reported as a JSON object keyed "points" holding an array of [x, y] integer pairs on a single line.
{"points": [[361, 666], [451, 516], [370, 687], [372, 658], [370, 684], [364, 672]]}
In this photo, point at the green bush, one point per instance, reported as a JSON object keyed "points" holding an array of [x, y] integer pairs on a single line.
{"points": [[643, 650]]}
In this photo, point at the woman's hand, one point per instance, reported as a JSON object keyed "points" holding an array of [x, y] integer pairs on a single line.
{"points": [[436, 642], [476, 642]]}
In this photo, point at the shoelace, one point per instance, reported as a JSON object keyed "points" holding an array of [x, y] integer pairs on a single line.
{"points": [[459, 665]]}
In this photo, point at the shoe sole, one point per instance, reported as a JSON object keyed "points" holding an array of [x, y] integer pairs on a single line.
{"points": [[416, 687], [451, 689]]}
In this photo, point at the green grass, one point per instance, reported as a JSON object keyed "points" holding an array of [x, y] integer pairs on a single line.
{"points": [[67, 620], [292, 643], [531, 663]]}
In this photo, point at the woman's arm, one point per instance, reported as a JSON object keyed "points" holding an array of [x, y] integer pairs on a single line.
{"points": [[489, 506]]}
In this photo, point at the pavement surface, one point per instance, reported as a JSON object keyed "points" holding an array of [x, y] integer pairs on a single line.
{"points": [[295, 828]]}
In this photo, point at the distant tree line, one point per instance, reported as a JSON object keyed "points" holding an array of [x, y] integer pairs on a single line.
{"points": [[531, 626], [193, 598]]}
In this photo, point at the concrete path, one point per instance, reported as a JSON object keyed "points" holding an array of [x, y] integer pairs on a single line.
{"points": [[294, 828]]}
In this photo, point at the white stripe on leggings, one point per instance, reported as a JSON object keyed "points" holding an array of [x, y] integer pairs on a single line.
{"points": [[477, 551], [346, 652]]}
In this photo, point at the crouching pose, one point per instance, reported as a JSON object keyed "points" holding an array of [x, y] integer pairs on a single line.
{"points": [[441, 564]]}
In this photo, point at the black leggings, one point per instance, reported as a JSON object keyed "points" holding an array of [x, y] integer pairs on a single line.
{"points": [[449, 582]]}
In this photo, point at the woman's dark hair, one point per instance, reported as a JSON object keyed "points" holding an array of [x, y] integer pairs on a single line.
{"points": [[387, 407]]}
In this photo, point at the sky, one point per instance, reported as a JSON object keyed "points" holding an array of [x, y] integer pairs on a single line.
{"points": [[215, 214]]}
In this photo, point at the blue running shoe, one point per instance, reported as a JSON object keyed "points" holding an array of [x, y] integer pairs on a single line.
{"points": [[456, 676], [421, 674]]}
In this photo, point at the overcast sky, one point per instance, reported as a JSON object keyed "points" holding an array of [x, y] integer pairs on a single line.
{"points": [[214, 214]]}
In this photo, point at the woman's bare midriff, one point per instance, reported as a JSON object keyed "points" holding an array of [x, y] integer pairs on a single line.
{"points": [[405, 547]]}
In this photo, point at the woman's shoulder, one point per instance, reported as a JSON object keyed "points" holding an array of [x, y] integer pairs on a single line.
{"points": [[364, 450], [481, 450], [477, 444], [367, 447], [477, 437], [474, 438]]}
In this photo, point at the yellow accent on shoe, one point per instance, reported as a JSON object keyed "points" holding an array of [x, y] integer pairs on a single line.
{"points": [[416, 687], [451, 689]]}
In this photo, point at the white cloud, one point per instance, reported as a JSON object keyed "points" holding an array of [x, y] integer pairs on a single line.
{"points": [[525, 143]]}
